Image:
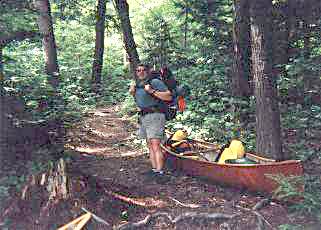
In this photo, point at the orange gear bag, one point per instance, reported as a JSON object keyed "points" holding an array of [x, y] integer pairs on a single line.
{"points": [[181, 103]]}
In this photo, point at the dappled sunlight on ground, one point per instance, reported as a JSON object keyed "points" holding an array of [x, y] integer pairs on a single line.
{"points": [[105, 134]]}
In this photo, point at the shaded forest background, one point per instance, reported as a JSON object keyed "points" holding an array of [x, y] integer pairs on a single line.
{"points": [[63, 58]]}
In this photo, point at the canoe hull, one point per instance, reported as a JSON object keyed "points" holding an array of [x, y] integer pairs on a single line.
{"points": [[252, 177]]}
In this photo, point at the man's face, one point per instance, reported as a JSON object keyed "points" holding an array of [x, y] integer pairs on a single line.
{"points": [[141, 72]]}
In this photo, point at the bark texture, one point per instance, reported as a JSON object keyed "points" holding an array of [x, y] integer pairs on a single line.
{"points": [[268, 138], [1, 74], [99, 45], [48, 41], [242, 49], [130, 45]]}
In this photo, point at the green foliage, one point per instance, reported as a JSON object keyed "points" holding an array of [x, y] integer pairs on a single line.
{"points": [[15, 17], [158, 36], [301, 73], [288, 186], [290, 227], [128, 106], [306, 123], [9, 181], [210, 114], [115, 88], [310, 198], [24, 69]]}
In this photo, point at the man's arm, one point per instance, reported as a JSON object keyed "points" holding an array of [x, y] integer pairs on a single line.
{"points": [[163, 95]]}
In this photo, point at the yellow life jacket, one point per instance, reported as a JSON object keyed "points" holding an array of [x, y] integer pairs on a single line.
{"points": [[237, 147], [236, 150], [179, 135], [178, 138], [179, 142], [227, 154]]}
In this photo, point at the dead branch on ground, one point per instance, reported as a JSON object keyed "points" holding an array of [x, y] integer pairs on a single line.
{"points": [[185, 205], [145, 202], [97, 218]]}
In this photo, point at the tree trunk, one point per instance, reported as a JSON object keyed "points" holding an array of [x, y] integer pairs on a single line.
{"points": [[48, 41], [306, 21], [286, 38], [1, 74], [50, 54], [62, 7], [241, 37], [306, 29], [130, 45], [3, 120], [186, 25], [99, 46], [268, 134]]}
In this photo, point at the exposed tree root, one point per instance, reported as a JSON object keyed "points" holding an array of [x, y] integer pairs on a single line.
{"points": [[185, 205], [205, 215], [149, 202], [187, 215], [261, 220], [261, 204], [145, 202], [143, 222]]}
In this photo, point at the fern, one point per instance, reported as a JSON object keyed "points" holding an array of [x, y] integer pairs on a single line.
{"points": [[289, 190]]}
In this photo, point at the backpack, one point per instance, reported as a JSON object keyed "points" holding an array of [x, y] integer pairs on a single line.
{"points": [[177, 104]]}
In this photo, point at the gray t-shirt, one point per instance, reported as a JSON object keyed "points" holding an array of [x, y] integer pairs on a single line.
{"points": [[144, 99]]}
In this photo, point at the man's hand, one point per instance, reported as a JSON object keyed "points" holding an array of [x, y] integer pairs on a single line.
{"points": [[163, 95], [148, 88], [132, 88]]}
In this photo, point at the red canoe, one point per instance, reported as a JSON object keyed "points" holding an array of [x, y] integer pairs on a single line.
{"points": [[250, 176]]}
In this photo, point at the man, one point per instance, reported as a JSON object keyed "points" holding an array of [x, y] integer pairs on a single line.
{"points": [[150, 94]]}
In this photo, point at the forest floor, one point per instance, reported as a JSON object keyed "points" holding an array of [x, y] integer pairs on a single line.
{"points": [[106, 173]]}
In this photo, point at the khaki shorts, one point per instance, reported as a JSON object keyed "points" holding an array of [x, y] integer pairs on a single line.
{"points": [[152, 125]]}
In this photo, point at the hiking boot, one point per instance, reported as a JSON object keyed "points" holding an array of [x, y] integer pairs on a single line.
{"points": [[149, 173], [149, 176], [161, 178]]}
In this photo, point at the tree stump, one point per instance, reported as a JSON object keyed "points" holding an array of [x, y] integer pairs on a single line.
{"points": [[57, 186]]}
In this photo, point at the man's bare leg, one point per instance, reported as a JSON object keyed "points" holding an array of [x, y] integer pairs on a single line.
{"points": [[152, 155], [157, 153]]}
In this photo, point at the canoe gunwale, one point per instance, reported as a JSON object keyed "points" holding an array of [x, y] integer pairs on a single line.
{"points": [[268, 163]]}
